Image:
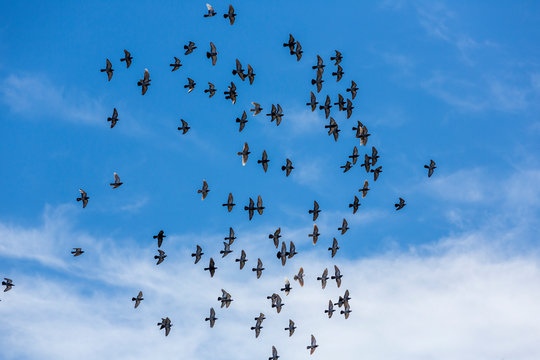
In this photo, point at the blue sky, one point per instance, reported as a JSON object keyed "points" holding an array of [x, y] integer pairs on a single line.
{"points": [[455, 82]]}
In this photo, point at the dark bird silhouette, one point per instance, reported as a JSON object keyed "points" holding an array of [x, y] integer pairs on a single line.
{"points": [[250, 75], [277, 302], [346, 167], [347, 310], [230, 203], [313, 345], [355, 205], [349, 108], [315, 234], [318, 81], [231, 93], [287, 288], [260, 318], [343, 299], [333, 128], [353, 89], [323, 278], [340, 103], [400, 205], [127, 58], [259, 269], [77, 252], [430, 167], [225, 298], [276, 114], [190, 85], [231, 237], [114, 118], [298, 51], [242, 260], [144, 83], [282, 254], [138, 299], [337, 58], [197, 254], [315, 211], [250, 208], [376, 173], [116, 182], [84, 198], [210, 12], [264, 160], [260, 206], [238, 70], [274, 356], [230, 15], [313, 102], [189, 48], [300, 276], [176, 64], [108, 69], [211, 90], [256, 108], [327, 105], [330, 309], [212, 53], [358, 129], [374, 155], [226, 249], [363, 135], [344, 227], [290, 328], [257, 328], [337, 276], [290, 44], [211, 268], [165, 324], [242, 121], [338, 73], [275, 237], [287, 167], [160, 236], [364, 190], [334, 247], [185, 127], [212, 318], [367, 163], [160, 257], [354, 155], [292, 250], [204, 190], [244, 153], [320, 66], [8, 283]]}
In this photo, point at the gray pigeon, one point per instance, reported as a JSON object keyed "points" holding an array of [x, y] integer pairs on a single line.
{"points": [[353, 89], [313, 102], [84, 198], [230, 15], [288, 167], [230, 203], [8, 283], [212, 317], [138, 299], [242, 260], [334, 247], [204, 190], [259, 269], [212, 53], [315, 211], [330, 310], [242, 121], [244, 153], [313, 345], [176, 65], [226, 249], [144, 83], [337, 276], [211, 268], [344, 227], [160, 236], [430, 167], [323, 278], [275, 237], [290, 328], [211, 89], [189, 48], [300, 276], [127, 58], [77, 252], [116, 182], [160, 257], [287, 287], [108, 69], [198, 253], [165, 324], [315, 234], [400, 205], [114, 118]]}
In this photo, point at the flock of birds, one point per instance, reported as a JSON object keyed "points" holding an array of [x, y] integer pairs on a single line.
{"points": [[276, 114]]}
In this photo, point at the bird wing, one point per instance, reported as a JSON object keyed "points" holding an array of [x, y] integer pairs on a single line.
{"points": [[210, 8]]}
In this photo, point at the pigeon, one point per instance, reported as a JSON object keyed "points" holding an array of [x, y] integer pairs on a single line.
{"points": [[343, 300], [315, 211], [212, 317], [374, 155], [229, 204], [320, 66], [231, 93], [313, 102], [225, 298], [290, 328], [212, 53], [260, 318], [8, 283], [347, 310], [257, 327], [242, 260], [276, 114], [333, 128], [276, 302], [259, 269], [330, 310], [344, 227], [108, 69], [250, 75], [116, 182], [400, 205], [160, 236], [365, 189], [334, 247], [189, 48], [190, 85], [300, 276], [354, 155], [160, 257], [211, 89], [287, 168], [275, 237], [260, 206], [264, 160], [211, 11], [358, 129], [226, 250], [176, 64], [363, 135], [238, 70], [430, 167], [355, 204], [290, 44], [165, 324], [367, 163], [211, 268], [318, 81], [313, 345], [282, 254], [346, 167], [185, 127], [337, 58], [231, 236], [138, 299], [250, 208], [327, 105], [198, 254], [340, 103], [274, 356], [287, 287], [244, 153], [242, 121], [315, 234], [144, 83], [353, 89], [127, 58], [292, 250], [230, 15], [323, 278], [257, 108], [114, 118], [205, 190], [77, 252], [298, 51], [349, 108], [338, 73], [337, 276], [376, 173], [84, 198]]}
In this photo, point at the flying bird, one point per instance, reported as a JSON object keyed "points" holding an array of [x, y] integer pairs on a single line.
{"points": [[244, 153], [313, 102], [347, 310], [334, 247], [277, 302], [367, 162], [211, 89], [287, 167], [257, 108], [242, 260], [290, 44], [190, 85], [225, 298], [138, 299], [354, 155], [264, 160], [108, 69], [376, 173], [176, 64], [185, 127], [229, 204], [282, 254], [333, 128], [242, 121], [160, 257], [355, 204], [198, 254], [320, 66], [165, 324], [374, 155], [344, 227], [287, 289], [84, 198], [238, 70], [323, 278], [274, 356], [346, 167], [290, 328], [364, 190], [353, 89], [114, 118], [211, 268], [231, 237], [226, 249], [338, 73], [298, 51], [8, 283], [337, 276], [349, 108], [250, 208], [127, 58], [430, 168], [189, 48], [230, 15], [340, 103], [205, 190], [315, 211], [313, 345], [231, 93], [259, 269], [212, 317], [212, 53], [160, 236], [257, 327], [330, 309], [144, 83], [318, 81], [210, 12], [116, 182], [260, 206], [337, 58], [275, 237], [400, 205], [327, 105], [300, 276], [292, 250], [77, 252], [315, 234], [276, 114], [250, 75]]}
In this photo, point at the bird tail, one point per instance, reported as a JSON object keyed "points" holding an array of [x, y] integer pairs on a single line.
{"points": [[208, 55]]}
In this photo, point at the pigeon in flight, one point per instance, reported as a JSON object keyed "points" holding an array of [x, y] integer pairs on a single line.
{"points": [[354, 155], [276, 114], [315, 234], [238, 70], [259, 269], [300, 276], [227, 249], [211, 268], [334, 247], [190, 85], [365, 189], [230, 239], [400, 205], [127, 58], [77, 252], [340, 103], [287, 167], [274, 356], [353, 89], [144, 83], [198, 254], [367, 163], [290, 44], [244, 153], [116, 182], [189, 48], [176, 64], [349, 108], [8, 283], [333, 128], [114, 118], [260, 206], [205, 190], [313, 102], [337, 276], [185, 127], [165, 324], [287, 289], [108, 69], [282, 254], [355, 204], [347, 311], [160, 257], [330, 309], [323, 278], [376, 173], [212, 317], [430, 167], [298, 51], [292, 251], [250, 208], [318, 81], [230, 15], [338, 73], [210, 12], [264, 160], [320, 66], [231, 93], [275, 237], [229, 204], [242, 121], [344, 227], [138, 299], [374, 155], [225, 298], [290, 328], [327, 105], [277, 302], [343, 300], [250, 75], [315, 211], [313, 345], [346, 167], [256, 109], [211, 89], [363, 135], [257, 327], [337, 58], [242, 260], [160, 236], [84, 198], [212, 53]]}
